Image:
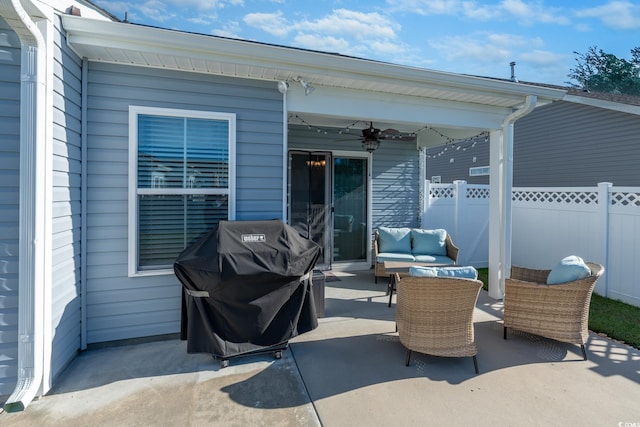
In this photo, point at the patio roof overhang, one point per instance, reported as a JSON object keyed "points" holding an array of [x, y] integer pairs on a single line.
{"points": [[348, 88]]}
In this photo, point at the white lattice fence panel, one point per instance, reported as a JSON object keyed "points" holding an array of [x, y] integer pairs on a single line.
{"points": [[477, 193], [555, 196], [625, 198], [441, 192]]}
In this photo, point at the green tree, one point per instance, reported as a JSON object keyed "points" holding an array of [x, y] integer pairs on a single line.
{"points": [[599, 71]]}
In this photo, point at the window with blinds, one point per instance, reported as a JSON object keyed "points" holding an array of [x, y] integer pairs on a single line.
{"points": [[181, 164]]}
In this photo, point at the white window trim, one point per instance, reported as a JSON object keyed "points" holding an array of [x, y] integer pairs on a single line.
{"points": [[479, 171], [134, 111]]}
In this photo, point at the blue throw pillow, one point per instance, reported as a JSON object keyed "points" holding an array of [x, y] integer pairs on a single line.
{"points": [[416, 271], [394, 240], [429, 242], [567, 270], [464, 272]]}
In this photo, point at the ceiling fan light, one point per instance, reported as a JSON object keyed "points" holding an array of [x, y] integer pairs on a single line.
{"points": [[370, 145]]}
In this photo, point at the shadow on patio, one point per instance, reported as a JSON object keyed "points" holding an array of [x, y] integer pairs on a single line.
{"points": [[350, 371]]}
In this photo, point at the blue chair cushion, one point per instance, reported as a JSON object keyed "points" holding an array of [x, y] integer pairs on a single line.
{"points": [[435, 259], [464, 272], [390, 256], [567, 270], [428, 242], [396, 240]]}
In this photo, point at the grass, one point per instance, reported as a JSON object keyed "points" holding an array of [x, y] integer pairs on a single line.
{"points": [[614, 318]]}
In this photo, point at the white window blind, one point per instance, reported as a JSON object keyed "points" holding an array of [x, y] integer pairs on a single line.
{"points": [[182, 175]]}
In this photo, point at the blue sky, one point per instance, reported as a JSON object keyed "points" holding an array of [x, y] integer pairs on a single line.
{"points": [[461, 36]]}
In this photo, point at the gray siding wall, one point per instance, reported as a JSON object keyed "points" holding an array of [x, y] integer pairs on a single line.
{"points": [[9, 204], [568, 144], [454, 164], [395, 172], [66, 230], [120, 307], [561, 144]]}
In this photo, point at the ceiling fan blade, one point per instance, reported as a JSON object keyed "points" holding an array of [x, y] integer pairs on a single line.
{"points": [[390, 132]]}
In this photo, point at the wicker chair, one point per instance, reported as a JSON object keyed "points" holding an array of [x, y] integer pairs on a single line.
{"points": [[434, 315], [559, 312]]}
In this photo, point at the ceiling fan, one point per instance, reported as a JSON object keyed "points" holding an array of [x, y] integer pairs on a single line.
{"points": [[371, 137]]}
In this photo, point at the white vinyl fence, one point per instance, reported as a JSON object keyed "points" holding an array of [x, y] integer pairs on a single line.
{"points": [[599, 224]]}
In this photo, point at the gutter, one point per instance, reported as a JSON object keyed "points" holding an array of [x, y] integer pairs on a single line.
{"points": [[282, 61], [497, 274], [32, 229]]}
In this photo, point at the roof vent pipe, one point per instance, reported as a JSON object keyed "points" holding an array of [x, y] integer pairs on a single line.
{"points": [[513, 71]]}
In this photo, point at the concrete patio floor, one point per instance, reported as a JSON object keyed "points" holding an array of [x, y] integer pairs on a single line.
{"points": [[350, 372]]}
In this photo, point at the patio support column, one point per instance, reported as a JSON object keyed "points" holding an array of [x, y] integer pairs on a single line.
{"points": [[501, 182], [497, 209]]}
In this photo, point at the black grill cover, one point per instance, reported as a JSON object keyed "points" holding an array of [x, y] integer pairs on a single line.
{"points": [[246, 288]]}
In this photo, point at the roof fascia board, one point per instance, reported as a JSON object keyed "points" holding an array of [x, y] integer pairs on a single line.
{"points": [[170, 42], [600, 103], [407, 110]]}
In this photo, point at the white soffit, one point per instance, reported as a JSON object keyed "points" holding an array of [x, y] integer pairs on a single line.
{"points": [[139, 45]]}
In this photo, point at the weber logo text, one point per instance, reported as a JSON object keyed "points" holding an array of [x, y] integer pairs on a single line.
{"points": [[253, 238]]}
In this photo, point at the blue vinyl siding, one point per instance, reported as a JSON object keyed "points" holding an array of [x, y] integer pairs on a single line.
{"points": [[119, 307], [9, 204], [65, 283]]}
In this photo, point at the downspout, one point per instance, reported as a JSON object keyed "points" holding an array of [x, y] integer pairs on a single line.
{"points": [[283, 87], [83, 206], [32, 233], [498, 273]]}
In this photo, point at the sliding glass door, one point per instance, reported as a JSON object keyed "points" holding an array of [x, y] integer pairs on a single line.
{"points": [[310, 199], [350, 209], [328, 200]]}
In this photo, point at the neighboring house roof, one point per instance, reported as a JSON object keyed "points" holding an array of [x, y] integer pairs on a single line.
{"points": [[612, 101]]}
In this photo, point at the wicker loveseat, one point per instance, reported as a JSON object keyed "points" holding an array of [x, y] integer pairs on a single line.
{"points": [[412, 245], [558, 311], [434, 315]]}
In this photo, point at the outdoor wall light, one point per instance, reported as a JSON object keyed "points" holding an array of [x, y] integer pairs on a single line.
{"points": [[307, 87], [283, 87]]}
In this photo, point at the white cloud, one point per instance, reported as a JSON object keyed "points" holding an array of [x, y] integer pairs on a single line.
{"points": [[163, 10], [230, 29], [203, 4], [202, 19], [155, 10], [358, 25], [343, 31], [513, 40], [430, 7], [484, 48], [465, 49], [272, 23], [619, 15], [523, 11], [532, 12], [544, 58], [323, 43]]}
